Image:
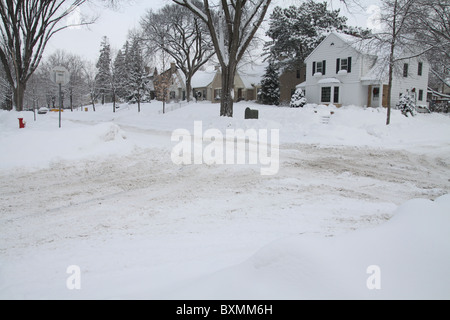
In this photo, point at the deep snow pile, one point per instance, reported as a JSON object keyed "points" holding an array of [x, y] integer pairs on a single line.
{"points": [[42, 142], [411, 252]]}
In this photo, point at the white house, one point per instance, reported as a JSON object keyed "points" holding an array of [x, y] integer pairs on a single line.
{"points": [[346, 70]]}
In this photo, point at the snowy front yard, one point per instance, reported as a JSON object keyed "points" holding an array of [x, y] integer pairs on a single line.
{"points": [[103, 194]]}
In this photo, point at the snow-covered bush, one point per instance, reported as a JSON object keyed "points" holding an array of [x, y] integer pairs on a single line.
{"points": [[406, 105], [298, 100]]}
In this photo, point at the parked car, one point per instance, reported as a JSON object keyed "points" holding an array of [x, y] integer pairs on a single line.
{"points": [[43, 110]]}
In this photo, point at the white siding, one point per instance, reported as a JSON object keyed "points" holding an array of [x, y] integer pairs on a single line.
{"points": [[352, 91], [413, 80], [330, 50]]}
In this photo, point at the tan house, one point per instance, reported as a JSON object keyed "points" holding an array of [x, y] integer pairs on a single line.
{"points": [[172, 81], [289, 80], [207, 85]]}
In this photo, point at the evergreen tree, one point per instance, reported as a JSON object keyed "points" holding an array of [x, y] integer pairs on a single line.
{"points": [[298, 100], [297, 31], [270, 86], [120, 76], [138, 79], [103, 77]]}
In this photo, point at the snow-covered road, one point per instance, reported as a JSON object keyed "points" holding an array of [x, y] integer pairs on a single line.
{"points": [[193, 219], [112, 202]]}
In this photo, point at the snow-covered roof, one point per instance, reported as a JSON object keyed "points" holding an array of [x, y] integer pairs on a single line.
{"points": [[328, 81], [301, 85], [202, 79], [252, 74], [364, 46], [378, 73]]}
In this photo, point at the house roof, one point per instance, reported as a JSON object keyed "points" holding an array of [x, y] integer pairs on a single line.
{"points": [[379, 72], [301, 85], [363, 46], [328, 81], [202, 79], [252, 74]]}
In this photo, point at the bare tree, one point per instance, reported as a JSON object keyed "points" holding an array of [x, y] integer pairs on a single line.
{"points": [[182, 35], [232, 31], [431, 24], [76, 87], [163, 82], [26, 28], [90, 73], [397, 38], [6, 91]]}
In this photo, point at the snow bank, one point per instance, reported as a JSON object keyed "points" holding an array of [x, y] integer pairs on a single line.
{"points": [[412, 252], [43, 143]]}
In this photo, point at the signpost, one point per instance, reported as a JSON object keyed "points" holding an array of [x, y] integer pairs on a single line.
{"points": [[61, 77]]}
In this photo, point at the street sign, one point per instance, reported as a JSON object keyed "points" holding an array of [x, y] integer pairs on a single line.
{"points": [[60, 75]]}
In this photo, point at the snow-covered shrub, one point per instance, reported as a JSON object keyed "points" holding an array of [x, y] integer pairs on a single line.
{"points": [[406, 105], [298, 100]]}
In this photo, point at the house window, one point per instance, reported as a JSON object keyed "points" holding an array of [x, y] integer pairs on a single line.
{"points": [[344, 64], [298, 73], [420, 95], [217, 94], [420, 69], [326, 94], [319, 66], [405, 70], [336, 95]]}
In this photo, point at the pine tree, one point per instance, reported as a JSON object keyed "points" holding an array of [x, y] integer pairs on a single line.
{"points": [[120, 75], [270, 86], [103, 77], [296, 31], [138, 79], [298, 100]]}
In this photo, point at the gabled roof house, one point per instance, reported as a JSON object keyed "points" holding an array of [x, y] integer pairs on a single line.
{"points": [[346, 70], [207, 85]]}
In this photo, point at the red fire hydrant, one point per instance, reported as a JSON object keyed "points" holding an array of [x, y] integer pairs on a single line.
{"points": [[22, 123]]}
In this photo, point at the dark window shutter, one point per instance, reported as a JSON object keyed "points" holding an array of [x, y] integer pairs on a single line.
{"points": [[324, 67], [338, 65], [314, 68], [349, 65]]}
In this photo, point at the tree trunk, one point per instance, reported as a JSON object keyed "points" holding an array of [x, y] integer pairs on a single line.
{"points": [[389, 96], [226, 101], [19, 93], [114, 102], [93, 102], [188, 88], [71, 99], [391, 63]]}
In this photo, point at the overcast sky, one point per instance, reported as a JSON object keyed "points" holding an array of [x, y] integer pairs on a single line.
{"points": [[115, 24]]}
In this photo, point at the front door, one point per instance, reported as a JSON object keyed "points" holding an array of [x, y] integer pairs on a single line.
{"points": [[375, 97], [385, 96]]}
